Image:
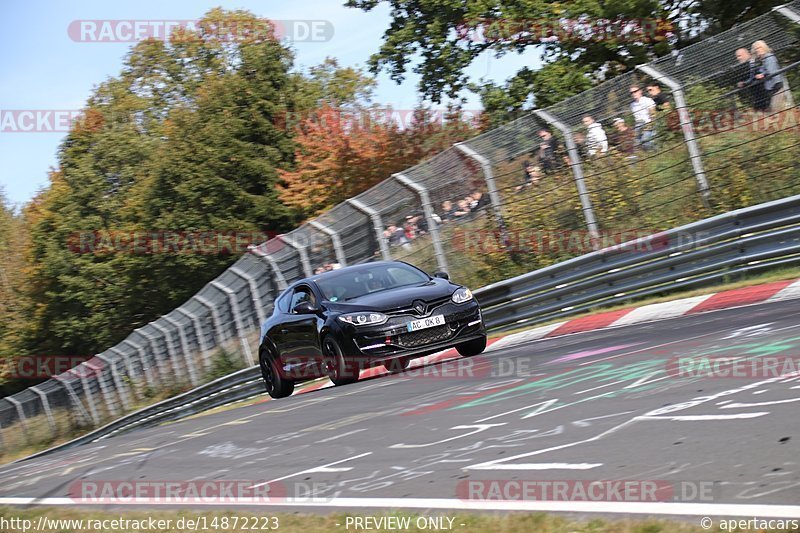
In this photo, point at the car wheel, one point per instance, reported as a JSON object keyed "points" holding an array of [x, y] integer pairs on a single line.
{"points": [[397, 365], [470, 348], [335, 366], [277, 386]]}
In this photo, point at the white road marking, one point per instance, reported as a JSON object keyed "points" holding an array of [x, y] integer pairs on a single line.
{"points": [[478, 428], [548, 466], [340, 436], [697, 418], [323, 468], [759, 404]]}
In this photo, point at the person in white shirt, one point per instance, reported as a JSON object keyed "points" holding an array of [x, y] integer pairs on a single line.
{"points": [[642, 108], [596, 139]]}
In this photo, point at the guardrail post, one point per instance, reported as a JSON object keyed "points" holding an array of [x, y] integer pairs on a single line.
{"points": [[261, 254], [377, 224], [146, 368], [577, 172], [425, 199], [686, 126], [46, 407], [215, 319], [20, 413], [254, 296], [163, 374], [105, 391], [301, 250], [74, 397], [237, 319], [201, 339], [187, 358], [335, 240]]}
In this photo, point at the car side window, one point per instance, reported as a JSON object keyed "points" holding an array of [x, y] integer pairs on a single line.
{"points": [[403, 276], [300, 295], [283, 302]]}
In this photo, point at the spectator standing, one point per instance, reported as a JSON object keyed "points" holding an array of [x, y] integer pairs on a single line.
{"points": [[753, 91], [596, 139], [660, 99], [623, 138], [447, 211], [642, 108], [547, 151], [774, 82]]}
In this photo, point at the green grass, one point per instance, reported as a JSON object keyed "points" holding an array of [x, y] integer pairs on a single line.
{"points": [[516, 522]]}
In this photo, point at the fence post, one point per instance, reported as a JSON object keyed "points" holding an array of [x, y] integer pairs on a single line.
{"points": [[272, 263], [337, 242], [577, 172], [377, 224], [146, 368], [237, 319], [251, 282], [163, 374], [686, 127], [788, 13], [425, 199], [20, 413], [74, 397], [134, 383], [122, 392], [187, 358], [215, 318], [301, 250], [488, 176], [173, 359], [46, 407], [201, 339], [87, 392], [105, 391]]}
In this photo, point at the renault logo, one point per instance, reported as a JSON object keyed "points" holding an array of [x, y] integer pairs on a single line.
{"points": [[419, 307]]}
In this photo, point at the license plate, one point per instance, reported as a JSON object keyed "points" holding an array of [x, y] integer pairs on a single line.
{"points": [[430, 322]]}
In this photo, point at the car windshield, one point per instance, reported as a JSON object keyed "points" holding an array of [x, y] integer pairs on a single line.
{"points": [[351, 284]]}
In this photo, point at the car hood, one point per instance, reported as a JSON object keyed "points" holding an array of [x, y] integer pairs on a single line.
{"points": [[394, 298]]}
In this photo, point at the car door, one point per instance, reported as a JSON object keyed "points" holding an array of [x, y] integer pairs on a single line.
{"points": [[300, 333]]}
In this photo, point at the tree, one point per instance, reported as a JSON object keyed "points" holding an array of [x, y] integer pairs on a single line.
{"points": [[448, 35]]}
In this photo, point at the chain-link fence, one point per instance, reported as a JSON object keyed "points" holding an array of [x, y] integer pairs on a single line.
{"points": [[710, 128]]}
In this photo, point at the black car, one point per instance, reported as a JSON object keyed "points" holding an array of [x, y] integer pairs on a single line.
{"points": [[384, 313]]}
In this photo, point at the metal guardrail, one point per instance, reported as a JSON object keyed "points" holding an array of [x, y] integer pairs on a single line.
{"points": [[753, 238]]}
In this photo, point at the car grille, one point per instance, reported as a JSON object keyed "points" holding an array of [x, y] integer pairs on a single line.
{"points": [[424, 336], [431, 307]]}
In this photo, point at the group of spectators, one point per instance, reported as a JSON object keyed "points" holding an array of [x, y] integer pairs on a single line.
{"points": [[414, 226], [763, 86], [327, 267], [758, 77]]}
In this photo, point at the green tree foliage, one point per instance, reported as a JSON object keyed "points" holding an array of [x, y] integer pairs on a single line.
{"points": [[188, 138]]}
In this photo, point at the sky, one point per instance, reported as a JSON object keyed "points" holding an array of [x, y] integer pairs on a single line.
{"points": [[46, 68]]}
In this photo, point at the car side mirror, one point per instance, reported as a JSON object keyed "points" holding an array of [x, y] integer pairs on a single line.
{"points": [[442, 275], [304, 308]]}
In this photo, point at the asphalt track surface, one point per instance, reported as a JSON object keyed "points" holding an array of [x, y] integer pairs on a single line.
{"points": [[600, 405]]}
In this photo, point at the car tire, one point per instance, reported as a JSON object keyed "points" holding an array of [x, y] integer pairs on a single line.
{"points": [[336, 367], [397, 365], [473, 347], [277, 386]]}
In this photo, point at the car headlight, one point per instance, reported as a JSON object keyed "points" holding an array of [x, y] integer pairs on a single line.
{"points": [[364, 319], [462, 295]]}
